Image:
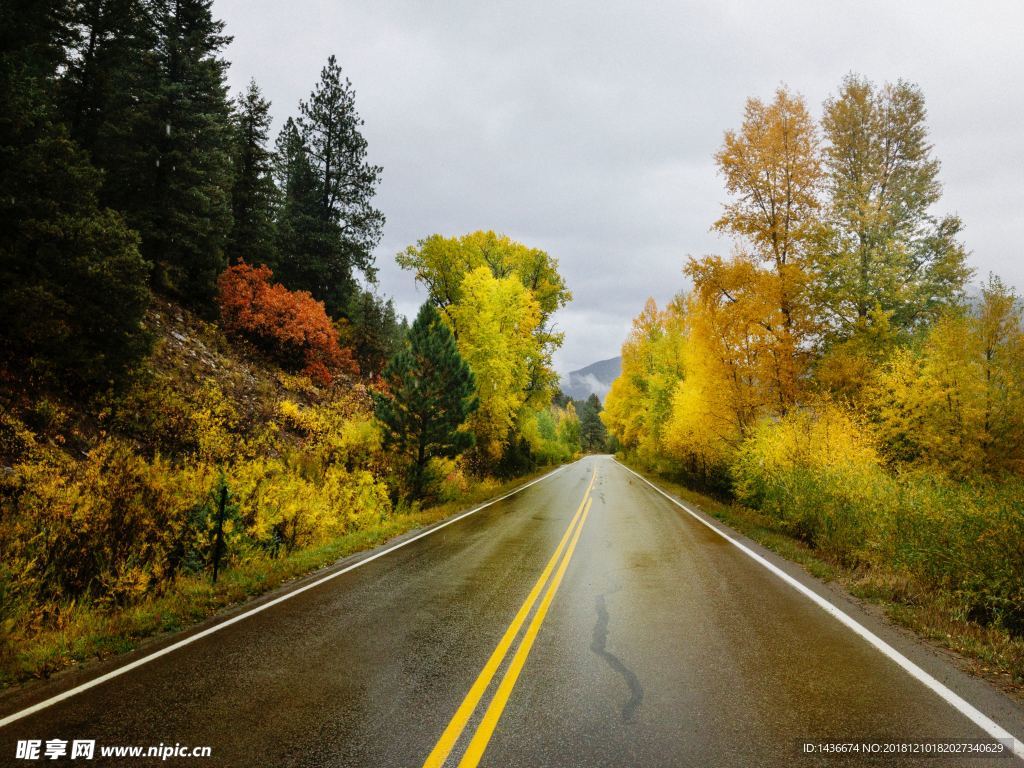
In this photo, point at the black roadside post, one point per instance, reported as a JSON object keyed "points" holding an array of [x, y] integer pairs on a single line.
{"points": [[218, 544]]}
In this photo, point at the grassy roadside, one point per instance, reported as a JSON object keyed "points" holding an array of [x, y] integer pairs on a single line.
{"points": [[986, 651], [94, 633]]}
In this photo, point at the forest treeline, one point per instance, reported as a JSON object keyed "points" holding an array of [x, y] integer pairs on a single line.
{"points": [[128, 169], [197, 374], [835, 372]]}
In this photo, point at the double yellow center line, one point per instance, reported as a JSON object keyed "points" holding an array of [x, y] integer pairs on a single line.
{"points": [[557, 564]]}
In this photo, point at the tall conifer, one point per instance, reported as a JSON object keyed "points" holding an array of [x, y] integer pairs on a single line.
{"points": [[109, 97], [72, 282], [253, 192], [430, 392], [347, 228], [188, 213]]}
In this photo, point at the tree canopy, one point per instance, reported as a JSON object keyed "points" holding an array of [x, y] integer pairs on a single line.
{"points": [[843, 297], [498, 297]]}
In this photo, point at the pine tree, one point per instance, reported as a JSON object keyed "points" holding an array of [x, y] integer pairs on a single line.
{"points": [[348, 226], [430, 393], [109, 97], [72, 282], [253, 193], [145, 95], [373, 331], [593, 434], [184, 221], [297, 227]]}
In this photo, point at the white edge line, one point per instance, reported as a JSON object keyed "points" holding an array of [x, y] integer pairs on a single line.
{"points": [[960, 704], [253, 611]]}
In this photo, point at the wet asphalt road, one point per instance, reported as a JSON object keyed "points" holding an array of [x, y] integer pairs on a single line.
{"points": [[664, 645]]}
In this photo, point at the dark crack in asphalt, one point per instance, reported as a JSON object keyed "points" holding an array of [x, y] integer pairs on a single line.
{"points": [[599, 646]]}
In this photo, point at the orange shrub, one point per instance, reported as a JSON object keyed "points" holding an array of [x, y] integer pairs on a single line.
{"points": [[292, 325]]}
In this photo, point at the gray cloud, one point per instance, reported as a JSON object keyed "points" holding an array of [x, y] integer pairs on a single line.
{"points": [[590, 132]]}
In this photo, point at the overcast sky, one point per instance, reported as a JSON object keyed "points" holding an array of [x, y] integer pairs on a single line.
{"points": [[588, 129]]}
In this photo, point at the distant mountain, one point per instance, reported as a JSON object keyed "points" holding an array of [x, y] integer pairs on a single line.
{"points": [[596, 379]]}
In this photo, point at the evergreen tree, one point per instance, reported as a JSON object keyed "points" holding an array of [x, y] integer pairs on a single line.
{"points": [[298, 216], [373, 332], [593, 434], [253, 192], [348, 227], [109, 97], [72, 282], [430, 392], [184, 221], [144, 93]]}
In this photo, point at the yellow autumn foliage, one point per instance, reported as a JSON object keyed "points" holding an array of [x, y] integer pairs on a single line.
{"points": [[707, 419], [119, 525], [639, 403], [494, 321], [339, 431], [820, 437], [956, 403], [829, 373]]}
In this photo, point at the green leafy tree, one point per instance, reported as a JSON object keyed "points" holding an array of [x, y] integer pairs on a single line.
{"points": [[883, 247], [430, 393], [253, 193], [593, 433], [329, 244], [72, 283]]}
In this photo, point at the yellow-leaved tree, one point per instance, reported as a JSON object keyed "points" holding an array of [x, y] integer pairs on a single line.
{"points": [[713, 405], [957, 401], [773, 174], [494, 320], [639, 403], [442, 264], [498, 296]]}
